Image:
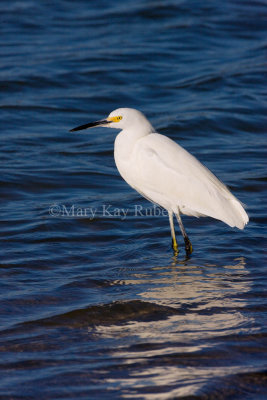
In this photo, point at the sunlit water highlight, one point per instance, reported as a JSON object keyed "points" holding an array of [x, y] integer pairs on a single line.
{"points": [[96, 306]]}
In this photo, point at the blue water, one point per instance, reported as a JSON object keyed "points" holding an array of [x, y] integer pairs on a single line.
{"points": [[96, 306]]}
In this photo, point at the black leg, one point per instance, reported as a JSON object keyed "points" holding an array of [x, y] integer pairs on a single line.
{"points": [[188, 245]]}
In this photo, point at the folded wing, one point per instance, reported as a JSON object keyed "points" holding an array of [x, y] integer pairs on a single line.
{"points": [[168, 175]]}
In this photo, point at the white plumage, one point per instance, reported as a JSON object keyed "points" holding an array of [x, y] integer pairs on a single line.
{"points": [[166, 174]]}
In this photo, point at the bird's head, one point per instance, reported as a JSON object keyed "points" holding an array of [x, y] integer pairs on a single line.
{"points": [[121, 118]]}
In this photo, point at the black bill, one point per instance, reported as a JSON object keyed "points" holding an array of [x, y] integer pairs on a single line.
{"points": [[90, 125]]}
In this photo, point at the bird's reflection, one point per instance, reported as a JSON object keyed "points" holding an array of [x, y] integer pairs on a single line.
{"points": [[204, 297], [208, 301]]}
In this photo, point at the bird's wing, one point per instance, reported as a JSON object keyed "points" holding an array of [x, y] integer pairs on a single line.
{"points": [[167, 174]]}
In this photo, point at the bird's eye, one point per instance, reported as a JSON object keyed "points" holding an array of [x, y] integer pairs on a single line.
{"points": [[115, 119]]}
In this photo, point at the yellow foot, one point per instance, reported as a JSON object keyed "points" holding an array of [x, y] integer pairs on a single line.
{"points": [[175, 247], [188, 247]]}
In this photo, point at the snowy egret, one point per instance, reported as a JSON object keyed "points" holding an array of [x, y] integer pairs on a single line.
{"points": [[167, 175]]}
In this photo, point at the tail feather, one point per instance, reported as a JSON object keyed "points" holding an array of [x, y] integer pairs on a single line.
{"points": [[233, 213], [241, 217]]}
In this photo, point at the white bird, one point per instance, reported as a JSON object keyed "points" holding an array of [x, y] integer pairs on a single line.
{"points": [[166, 174]]}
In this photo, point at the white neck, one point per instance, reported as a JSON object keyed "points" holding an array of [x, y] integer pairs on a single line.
{"points": [[127, 138]]}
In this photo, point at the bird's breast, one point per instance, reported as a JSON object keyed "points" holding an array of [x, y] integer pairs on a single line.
{"points": [[122, 157], [125, 154]]}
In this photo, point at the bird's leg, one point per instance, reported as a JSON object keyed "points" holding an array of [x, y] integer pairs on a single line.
{"points": [[174, 242], [188, 245]]}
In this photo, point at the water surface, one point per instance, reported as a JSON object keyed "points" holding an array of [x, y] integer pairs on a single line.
{"points": [[93, 303]]}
